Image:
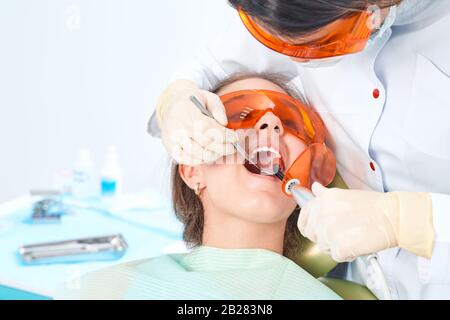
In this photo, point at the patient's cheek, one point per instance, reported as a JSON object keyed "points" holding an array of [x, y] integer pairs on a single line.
{"points": [[221, 180], [295, 147], [218, 170]]}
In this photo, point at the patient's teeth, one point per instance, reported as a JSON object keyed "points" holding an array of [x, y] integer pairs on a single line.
{"points": [[266, 149]]}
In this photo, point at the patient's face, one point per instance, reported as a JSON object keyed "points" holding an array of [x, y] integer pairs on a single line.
{"points": [[233, 189]]}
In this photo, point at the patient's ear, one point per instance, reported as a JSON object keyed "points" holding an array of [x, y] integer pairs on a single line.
{"points": [[192, 176]]}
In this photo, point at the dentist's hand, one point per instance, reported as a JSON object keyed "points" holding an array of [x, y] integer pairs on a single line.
{"points": [[189, 136], [351, 223]]}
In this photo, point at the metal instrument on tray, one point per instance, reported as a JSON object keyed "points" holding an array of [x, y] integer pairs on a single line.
{"points": [[109, 247]]}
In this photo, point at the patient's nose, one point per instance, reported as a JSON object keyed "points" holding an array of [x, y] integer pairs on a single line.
{"points": [[270, 122]]}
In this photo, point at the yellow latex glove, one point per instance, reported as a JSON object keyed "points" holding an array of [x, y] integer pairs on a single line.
{"points": [[189, 136], [351, 223]]}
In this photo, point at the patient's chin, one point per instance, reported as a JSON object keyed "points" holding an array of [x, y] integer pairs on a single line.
{"points": [[267, 208]]}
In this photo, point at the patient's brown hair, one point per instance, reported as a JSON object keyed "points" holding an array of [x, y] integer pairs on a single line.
{"points": [[188, 206]]}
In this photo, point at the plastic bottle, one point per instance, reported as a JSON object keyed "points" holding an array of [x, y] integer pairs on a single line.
{"points": [[83, 179], [62, 181], [111, 174]]}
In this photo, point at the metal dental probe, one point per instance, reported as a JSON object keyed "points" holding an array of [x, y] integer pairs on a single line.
{"points": [[301, 194], [238, 148]]}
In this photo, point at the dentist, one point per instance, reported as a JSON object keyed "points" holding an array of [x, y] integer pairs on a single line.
{"points": [[378, 72]]}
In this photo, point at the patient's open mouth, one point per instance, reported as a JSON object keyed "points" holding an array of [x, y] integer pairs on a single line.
{"points": [[264, 161]]}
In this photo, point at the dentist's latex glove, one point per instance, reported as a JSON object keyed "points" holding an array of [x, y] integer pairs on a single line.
{"points": [[189, 136], [351, 223]]}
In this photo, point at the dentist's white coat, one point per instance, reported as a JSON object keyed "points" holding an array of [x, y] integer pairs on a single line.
{"points": [[398, 141]]}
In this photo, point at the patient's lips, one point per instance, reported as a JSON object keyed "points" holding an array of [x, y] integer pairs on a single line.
{"points": [[267, 160], [264, 157]]}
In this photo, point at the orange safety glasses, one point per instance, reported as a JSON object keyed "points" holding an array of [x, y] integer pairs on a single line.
{"points": [[317, 162], [344, 36]]}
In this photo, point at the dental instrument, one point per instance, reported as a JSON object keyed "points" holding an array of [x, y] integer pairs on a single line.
{"points": [[47, 211], [238, 148], [109, 247], [293, 187], [301, 194]]}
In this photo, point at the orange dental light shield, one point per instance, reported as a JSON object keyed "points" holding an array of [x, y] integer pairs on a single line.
{"points": [[345, 36], [317, 162]]}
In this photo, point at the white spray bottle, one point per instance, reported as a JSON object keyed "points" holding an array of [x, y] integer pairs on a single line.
{"points": [[83, 183]]}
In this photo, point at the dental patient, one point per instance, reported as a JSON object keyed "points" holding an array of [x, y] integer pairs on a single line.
{"points": [[240, 226]]}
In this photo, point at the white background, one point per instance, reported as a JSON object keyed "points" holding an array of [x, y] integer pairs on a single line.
{"points": [[87, 73]]}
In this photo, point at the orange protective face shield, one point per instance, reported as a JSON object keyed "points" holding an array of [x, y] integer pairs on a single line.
{"points": [[317, 162], [344, 36]]}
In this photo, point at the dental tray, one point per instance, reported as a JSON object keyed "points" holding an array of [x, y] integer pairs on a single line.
{"points": [[109, 247]]}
